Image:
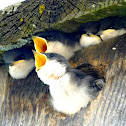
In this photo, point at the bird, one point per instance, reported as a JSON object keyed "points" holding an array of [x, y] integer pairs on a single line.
{"points": [[95, 32], [70, 89], [20, 62], [89, 39], [111, 33], [54, 41]]}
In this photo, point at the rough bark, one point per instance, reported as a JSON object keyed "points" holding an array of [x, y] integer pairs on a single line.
{"points": [[22, 20], [26, 102], [3, 84]]}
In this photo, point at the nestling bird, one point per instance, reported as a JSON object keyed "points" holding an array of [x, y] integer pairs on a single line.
{"points": [[96, 31], [20, 62], [65, 44], [70, 89], [89, 39]]}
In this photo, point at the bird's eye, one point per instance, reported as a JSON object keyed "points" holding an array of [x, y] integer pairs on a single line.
{"points": [[20, 57], [51, 55], [50, 37], [88, 34]]}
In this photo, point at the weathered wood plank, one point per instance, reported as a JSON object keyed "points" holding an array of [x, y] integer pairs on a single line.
{"points": [[3, 84], [20, 21], [26, 101]]}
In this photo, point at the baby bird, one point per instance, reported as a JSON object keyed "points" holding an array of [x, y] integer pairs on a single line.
{"points": [[90, 39], [20, 62], [95, 32], [65, 44], [111, 33], [70, 89]]}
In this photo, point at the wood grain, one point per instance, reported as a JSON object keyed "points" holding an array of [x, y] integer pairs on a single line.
{"points": [[22, 21]]}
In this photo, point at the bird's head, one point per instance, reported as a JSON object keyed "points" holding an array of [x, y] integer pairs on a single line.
{"points": [[41, 39], [20, 62], [50, 66]]}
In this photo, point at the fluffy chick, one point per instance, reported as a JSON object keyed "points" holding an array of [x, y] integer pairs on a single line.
{"points": [[70, 89], [20, 62], [65, 44]]}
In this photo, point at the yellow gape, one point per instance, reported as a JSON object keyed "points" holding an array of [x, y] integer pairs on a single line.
{"points": [[40, 60], [40, 44]]}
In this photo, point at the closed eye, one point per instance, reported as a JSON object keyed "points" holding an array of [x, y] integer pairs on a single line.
{"points": [[20, 57], [50, 37]]}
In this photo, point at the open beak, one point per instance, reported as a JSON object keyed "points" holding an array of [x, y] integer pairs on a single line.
{"points": [[40, 44], [40, 59]]}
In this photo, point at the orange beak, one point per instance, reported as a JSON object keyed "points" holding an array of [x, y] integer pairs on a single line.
{"points": [[40, 59], [40, 44]]}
